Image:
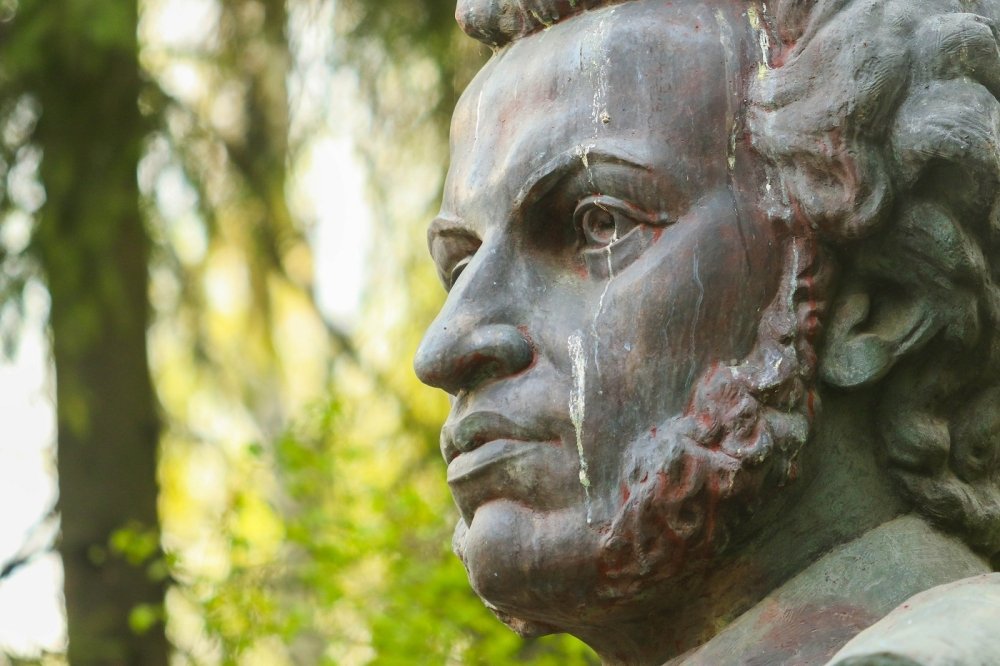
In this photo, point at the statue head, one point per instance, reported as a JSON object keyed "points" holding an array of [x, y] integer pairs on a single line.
{"points": [[681, 240]]}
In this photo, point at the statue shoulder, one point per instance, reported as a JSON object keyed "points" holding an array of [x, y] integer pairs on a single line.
{"points": [[956, 623]]}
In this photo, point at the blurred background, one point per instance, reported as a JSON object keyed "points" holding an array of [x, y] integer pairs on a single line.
{"points": [[213, 276]]}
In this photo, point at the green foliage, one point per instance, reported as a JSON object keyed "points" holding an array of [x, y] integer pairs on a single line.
{"points": [[135, 542], [143, 617]]}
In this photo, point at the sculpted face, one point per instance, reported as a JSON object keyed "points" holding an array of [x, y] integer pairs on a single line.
{"points": [[600, 260]]}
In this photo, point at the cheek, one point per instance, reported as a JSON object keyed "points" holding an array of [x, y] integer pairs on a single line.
{"points": [[692, 300]]}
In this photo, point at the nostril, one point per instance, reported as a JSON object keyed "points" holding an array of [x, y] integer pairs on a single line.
{"points": [[455, 360]]}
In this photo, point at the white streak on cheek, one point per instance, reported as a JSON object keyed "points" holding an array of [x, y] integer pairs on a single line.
{"points": [[578, 407], [479, 106], [597, 313], [696, 273]]}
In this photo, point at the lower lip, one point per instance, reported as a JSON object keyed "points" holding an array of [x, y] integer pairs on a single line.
{"points": [[477, 462]]}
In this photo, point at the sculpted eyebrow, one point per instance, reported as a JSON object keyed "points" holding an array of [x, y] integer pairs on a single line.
{"points": [[571, 163]]}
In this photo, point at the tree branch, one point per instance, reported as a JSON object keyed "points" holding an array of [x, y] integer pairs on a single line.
{"points": [[40, 540]]}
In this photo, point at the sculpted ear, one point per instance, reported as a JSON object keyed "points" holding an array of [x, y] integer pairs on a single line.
{"points": [[871, 327], [919, 281]]}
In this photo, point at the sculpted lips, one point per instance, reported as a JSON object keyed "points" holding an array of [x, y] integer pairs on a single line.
{"points": [[479, 428], [490, 457]]}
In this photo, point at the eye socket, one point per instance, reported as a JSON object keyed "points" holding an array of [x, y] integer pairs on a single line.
{"points": [[612, 233], [602, 221]]}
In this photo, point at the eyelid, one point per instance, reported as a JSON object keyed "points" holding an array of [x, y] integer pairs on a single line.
{"points": [[630, 210]]}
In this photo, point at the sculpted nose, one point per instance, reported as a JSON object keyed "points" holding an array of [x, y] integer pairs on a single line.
{"points": [[455, 357]]}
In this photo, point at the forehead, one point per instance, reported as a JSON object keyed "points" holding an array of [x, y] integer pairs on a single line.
{"points": [[653, 80]]}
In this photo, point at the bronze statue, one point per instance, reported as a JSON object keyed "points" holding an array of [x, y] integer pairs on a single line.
{"points": [[723, 331]]}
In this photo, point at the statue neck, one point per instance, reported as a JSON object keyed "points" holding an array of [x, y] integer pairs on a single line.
{"points": [[813, 615]]}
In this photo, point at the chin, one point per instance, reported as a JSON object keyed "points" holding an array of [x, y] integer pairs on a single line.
{"points": [[542, 572], [536, 570]]}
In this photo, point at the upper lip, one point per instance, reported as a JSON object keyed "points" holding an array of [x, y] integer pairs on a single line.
{"points": [[478, 428]]}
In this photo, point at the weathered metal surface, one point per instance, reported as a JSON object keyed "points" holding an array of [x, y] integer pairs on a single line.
{"points": [[722, 319]]}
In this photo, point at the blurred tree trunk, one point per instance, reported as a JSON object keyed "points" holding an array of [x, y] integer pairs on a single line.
{"points": [[94, 249]]}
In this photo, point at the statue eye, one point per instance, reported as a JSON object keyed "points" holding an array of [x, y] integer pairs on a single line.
{"points": [[452, 249], [456, 271], [612, 233], [602, 221], [599, 226]]}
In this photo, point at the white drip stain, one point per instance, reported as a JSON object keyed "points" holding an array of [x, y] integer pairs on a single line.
{"points": [[600, 308], [725, 40], [578, 407], [763, 40], [479, 106], [583, 152], [795, 278], [599, 76], [697, 313]]}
